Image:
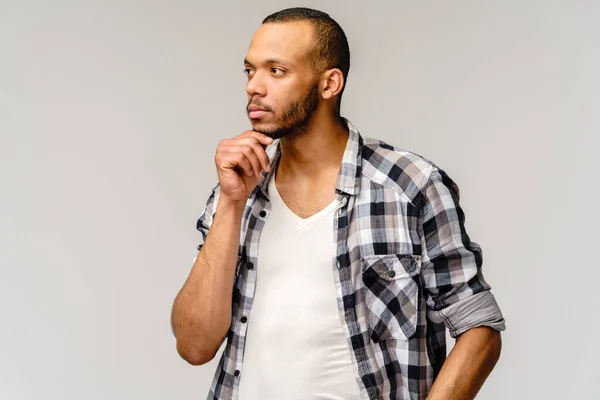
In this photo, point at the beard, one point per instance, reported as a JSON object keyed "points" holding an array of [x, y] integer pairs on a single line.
{"points": [[295, 117]]}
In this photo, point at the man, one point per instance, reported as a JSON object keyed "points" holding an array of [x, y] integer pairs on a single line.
{"points": [[332, 264]]}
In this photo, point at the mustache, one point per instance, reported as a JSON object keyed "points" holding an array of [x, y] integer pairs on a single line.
{"points": [[258, 103]]}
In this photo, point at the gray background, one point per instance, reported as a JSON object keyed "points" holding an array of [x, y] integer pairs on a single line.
{"points": [[110, 113]]}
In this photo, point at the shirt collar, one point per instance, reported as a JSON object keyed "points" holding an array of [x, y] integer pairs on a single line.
{"points": [[348, 179]]}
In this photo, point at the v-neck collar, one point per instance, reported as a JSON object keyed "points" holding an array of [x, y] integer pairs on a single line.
{"points": [[303, 223]]}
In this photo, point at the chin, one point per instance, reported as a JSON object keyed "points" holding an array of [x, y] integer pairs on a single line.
{"points": [[263, 128]]}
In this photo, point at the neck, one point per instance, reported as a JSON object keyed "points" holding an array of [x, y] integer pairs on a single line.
{"points": [[316, 153]]}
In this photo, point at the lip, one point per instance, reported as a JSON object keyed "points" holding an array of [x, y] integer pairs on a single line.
{"points": [[255, 114], [254, 107]]}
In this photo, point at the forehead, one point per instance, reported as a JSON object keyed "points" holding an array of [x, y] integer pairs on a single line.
{"points": [[288, 41]]}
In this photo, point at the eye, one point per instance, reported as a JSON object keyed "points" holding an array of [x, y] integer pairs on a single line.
{"points": [[277, 71], [247, 71]]}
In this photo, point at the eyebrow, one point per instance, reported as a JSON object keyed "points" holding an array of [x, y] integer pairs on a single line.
{"points": [[270, 61]]}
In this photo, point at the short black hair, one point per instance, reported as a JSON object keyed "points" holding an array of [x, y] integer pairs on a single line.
{"points": [[331, 44]]}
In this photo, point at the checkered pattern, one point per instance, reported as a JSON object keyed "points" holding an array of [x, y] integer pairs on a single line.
{"points": [[403, 262]]}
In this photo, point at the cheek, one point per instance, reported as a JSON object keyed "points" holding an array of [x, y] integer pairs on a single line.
{"points": [[284, 99], [281, 94]]}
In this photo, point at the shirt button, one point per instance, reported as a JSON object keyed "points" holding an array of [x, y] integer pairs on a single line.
{"points": [[262, 214], [392, 273], [237, 372], [244, 320], [250, 265]]}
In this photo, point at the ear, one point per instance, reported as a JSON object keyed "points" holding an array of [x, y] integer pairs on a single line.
{"points": [[333, 82]]}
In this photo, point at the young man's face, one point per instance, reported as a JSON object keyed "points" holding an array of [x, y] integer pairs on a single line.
{"points": [[282, 88]]}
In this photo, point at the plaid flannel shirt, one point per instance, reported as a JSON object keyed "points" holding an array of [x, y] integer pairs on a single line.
{"points": [[405, 269]]}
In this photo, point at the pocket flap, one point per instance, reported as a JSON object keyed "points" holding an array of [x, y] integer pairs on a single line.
{"points": [[392, 266]]}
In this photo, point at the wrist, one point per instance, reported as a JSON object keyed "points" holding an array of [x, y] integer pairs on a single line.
{"points": [[228, 205]]}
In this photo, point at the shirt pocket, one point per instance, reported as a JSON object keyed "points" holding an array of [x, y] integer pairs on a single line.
{"points": [[391, 295]]}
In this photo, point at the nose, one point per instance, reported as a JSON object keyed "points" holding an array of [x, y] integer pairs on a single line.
{"points": [[255, 86]]}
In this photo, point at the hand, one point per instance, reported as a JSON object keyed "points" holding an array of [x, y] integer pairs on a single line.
{"points": [[240, 162]]}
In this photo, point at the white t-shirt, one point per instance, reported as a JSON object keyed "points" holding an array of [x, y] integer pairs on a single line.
{"points": [[296, 347]]}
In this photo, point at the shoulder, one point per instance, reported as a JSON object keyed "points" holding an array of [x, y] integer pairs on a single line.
{"points": [[397, 169]]}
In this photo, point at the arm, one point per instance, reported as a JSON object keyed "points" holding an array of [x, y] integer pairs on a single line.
{"points": [[201, 312], [470, 362], [457, 293]]}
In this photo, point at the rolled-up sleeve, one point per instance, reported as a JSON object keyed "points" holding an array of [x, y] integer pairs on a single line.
{"points": [[204, 222], [457, 293]]}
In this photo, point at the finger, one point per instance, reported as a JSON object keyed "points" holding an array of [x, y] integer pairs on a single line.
{"points": [[262, 156], [253, 158], [261, 137], [236, 158], [245, 164], [259, 151]]}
